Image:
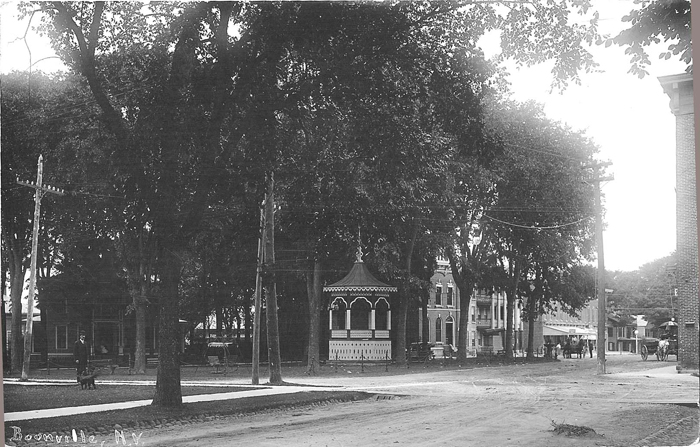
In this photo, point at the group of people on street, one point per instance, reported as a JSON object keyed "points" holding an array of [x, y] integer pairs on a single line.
{"points": [[578, 346], [572, 345]]}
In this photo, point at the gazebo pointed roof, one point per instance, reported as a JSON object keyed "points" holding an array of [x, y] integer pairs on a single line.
{"points": [[359, 279]]}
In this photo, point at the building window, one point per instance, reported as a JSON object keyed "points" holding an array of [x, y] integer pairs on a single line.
{"points": [[610, 332], [473, 312], [438, 295], [61, 337], [449, 296], [438, 330], [449, 331]]}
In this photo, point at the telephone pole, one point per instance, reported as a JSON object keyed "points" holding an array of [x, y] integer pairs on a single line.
{"points": [[255, 379], [39, 191], [602, 311]]}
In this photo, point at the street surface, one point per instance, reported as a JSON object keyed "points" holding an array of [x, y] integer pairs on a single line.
{"points": [[635, 403]]}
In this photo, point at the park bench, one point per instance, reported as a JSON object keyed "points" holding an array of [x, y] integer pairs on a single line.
{"points": [[151, 362], [105, 364]]}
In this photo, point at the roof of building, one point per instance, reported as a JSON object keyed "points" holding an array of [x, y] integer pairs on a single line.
{"points": [[359, 279]]}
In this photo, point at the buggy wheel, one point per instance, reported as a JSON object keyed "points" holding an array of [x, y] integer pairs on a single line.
{"points": [[645, 352]]}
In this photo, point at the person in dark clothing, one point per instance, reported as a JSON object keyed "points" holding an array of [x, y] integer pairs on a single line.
{"points": [[590, 348], [80, 354]]}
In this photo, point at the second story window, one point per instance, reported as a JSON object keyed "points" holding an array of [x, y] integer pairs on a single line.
{"points": [[438, 295], [450, 302]]}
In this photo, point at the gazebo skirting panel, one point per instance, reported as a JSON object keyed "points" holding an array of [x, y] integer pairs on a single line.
{"points": [[360, 350]]}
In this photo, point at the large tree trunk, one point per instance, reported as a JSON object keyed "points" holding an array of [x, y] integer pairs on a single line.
{"points": [[532, 307], [401, 328], [139, 273], [168, 392], [140, 350], [314, 286], [462, 339], [405, 297], [17, 272], [466, 287], [273, 338], [248, 321], [510, 307], [425, 333]]}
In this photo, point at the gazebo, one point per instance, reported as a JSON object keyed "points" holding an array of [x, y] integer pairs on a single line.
{"points": [[359, 316]]}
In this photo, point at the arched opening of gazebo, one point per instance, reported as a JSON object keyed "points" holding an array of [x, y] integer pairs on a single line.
{"points": [[360, 313]]}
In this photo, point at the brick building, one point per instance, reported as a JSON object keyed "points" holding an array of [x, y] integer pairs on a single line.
{"points": [[486, 320], [679, 88]]}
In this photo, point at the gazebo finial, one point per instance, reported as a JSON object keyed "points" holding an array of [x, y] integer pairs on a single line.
{"points": [[359, 245]]}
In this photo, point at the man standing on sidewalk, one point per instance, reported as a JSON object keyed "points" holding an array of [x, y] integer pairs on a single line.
{"points": [[80, 354]]}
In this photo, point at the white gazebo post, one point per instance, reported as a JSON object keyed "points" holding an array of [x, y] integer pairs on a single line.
{"points": [[372, 319]]}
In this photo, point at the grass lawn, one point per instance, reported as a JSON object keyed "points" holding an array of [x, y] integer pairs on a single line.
{"points": [[39, 397], [102, 425]]}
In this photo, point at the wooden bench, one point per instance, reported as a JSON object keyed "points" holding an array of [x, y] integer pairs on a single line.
{"points": [[105, 363], [215, 363]]}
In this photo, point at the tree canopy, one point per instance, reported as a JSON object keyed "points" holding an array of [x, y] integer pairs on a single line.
{"points": [[367, 113], [650, 24]]}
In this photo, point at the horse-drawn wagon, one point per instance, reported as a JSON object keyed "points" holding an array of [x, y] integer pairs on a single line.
{"points": [[664, 346]]}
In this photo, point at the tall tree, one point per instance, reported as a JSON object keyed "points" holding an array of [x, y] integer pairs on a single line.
{"points": [[544, 207], [38, 118], [649, 291]]}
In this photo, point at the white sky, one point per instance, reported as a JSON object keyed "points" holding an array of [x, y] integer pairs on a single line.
{"points": [[628, 118]]}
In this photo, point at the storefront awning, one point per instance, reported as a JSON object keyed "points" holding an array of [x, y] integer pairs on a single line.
{"points": [[585, 333]]}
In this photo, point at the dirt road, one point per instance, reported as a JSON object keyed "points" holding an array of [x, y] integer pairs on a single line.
{"points": [[497, 406]]}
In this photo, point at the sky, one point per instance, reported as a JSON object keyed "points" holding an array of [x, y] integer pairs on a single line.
{"points": [[631, 121], [629, 118]]}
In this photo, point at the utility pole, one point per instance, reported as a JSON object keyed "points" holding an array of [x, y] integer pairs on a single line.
{"points": [[258, 297], [39, 191], [602, 311], [273, 339]]}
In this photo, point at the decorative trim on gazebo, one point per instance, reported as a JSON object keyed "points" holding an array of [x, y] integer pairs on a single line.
{"points": [[387, 289]]}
